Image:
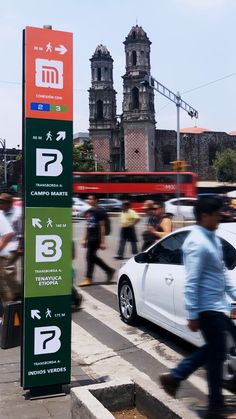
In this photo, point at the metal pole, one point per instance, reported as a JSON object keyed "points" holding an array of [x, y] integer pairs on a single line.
{"points": [[178, 124], [5, 161], [178, 99], [3, 144], [96, 162]]}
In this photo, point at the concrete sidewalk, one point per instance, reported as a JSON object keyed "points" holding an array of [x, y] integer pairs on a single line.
{"points": [[15, 402]]}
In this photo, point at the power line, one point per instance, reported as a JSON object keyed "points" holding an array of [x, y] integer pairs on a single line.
{"points": [[200, 87], [209, 83], [19, 84], [10, 82], [182, 93]]}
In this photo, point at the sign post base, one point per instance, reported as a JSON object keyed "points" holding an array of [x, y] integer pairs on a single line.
{"points": [[46, 391]]}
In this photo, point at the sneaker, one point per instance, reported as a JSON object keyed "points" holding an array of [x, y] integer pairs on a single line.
{"points": [[77, 300], [110, 275], [169, 384], [85, 282]]}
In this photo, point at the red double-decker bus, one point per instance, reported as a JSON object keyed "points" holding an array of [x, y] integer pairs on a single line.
{"points": [[134, 186]]}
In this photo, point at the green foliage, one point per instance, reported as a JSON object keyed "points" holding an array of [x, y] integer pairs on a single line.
{"points": [[18, 156], [83, 160], [225, 165]]}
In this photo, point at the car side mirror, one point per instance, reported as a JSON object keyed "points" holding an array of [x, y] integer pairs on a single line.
{"points": [[141, 257]]}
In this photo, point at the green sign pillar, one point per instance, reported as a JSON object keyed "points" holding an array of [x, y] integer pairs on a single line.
{"points": [[47, 147]]}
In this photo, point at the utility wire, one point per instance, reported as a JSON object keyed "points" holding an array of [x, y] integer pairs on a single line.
{"points": [[200, 87], [209, 83], [19, 84], [182, 93]]}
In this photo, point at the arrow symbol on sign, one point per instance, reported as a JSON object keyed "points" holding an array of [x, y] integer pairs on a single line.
{"points": [[36, 222], [61, 135], [61, 49], [35, 313]]}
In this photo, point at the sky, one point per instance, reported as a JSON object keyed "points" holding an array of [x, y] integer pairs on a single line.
{"points": [[193, 45]]}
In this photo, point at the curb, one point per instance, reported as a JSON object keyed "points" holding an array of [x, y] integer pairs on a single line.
{"points": [[98, 400]]}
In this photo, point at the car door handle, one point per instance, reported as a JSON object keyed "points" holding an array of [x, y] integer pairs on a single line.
{"points": [[169, 279]]}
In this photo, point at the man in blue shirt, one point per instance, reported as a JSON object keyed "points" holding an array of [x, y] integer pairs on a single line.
{"points": [[206, 285]]}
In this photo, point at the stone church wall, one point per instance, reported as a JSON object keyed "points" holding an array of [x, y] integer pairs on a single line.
{"points": [[197, 150]]}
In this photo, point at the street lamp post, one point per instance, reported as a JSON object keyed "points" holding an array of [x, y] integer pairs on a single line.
{"points": [[3, 144], [178, 98], [96, 162]]}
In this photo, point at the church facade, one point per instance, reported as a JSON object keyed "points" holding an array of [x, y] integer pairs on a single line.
{"points": [[130, 141]]}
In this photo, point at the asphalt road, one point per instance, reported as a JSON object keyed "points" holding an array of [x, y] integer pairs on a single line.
{"points": [[112, 242], [109, 349]]}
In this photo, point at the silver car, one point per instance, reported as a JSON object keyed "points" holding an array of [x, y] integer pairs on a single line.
{"points": [[79, 207]]}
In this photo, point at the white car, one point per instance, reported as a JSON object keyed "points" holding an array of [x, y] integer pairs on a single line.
{"points": [[151, 285], [110, 204], [79, 207], [181, 206]]}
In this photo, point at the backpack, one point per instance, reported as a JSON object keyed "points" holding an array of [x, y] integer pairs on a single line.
{"points": [[107, 221]]}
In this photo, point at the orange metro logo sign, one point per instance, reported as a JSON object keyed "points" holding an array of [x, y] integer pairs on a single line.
{"points": [[48, 71]]}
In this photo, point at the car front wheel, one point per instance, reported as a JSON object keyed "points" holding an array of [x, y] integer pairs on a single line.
{"points": [[127, 302], [229, 371]]}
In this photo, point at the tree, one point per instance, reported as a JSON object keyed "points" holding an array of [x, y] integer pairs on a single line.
{"points": [[225, 165], [14, 170], [83, 159]]}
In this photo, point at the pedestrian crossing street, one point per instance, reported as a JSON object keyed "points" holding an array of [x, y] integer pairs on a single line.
{"points": [[107, 348]]}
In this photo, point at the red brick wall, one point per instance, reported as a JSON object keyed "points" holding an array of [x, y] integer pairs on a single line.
{"points": [[101, 148], [139, 147]]}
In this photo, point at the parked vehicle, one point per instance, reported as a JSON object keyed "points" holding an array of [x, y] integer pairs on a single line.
{"points": [[110, 204], [79, 207], [181, 206], [228, 213], [151, 285]]}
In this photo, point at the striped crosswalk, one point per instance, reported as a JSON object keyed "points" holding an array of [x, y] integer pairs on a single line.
{"points": [[109, 349]]}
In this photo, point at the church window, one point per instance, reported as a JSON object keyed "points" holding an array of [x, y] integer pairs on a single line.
{"points": [[99, 74], [142, 57], [99, 109], [134, 57], [93, 74], [135, 98], [134, 35]]}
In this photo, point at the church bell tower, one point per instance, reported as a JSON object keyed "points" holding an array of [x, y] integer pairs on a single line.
{"points": [[138, 104], [102, 105]]}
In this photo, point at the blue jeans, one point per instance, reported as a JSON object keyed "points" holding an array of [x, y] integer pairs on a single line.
{"points": [[212, 354]]}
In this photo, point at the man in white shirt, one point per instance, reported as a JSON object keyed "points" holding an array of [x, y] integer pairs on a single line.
{"points": [[14, 217], [9, 287]]}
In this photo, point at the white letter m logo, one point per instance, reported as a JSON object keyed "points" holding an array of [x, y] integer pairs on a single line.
{"points": [[49, 73]]}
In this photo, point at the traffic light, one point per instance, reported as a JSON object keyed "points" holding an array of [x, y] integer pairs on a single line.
{"points": [[178, 165]]}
